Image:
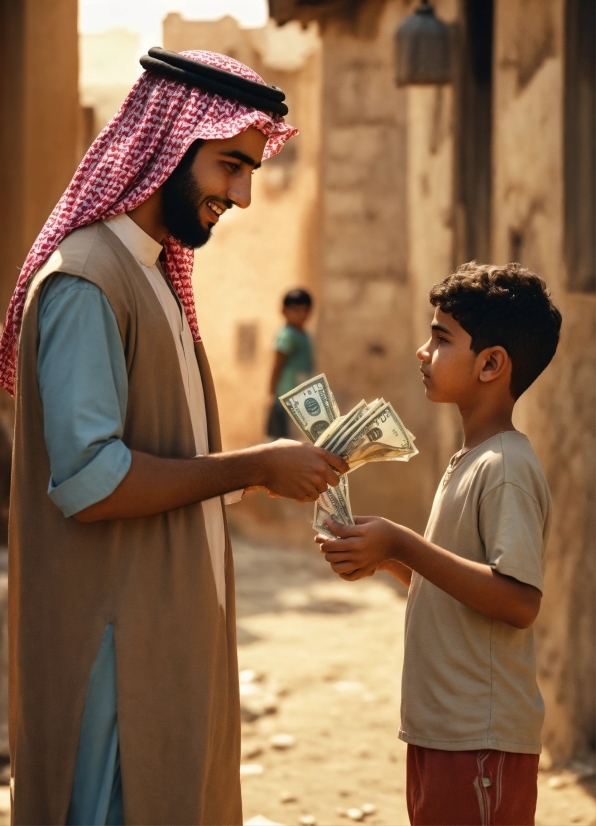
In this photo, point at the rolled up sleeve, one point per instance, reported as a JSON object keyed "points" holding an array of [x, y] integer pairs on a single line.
{"points": [[83, 384]]}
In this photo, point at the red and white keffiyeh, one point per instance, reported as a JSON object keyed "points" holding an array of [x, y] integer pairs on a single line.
{"points": [[133, 156]]}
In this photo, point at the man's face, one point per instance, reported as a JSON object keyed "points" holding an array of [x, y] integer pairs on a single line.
{"points": [[449, 366], [220, 177]]}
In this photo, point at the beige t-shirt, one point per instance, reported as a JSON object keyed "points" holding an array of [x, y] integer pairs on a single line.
{"points": [[469, 682]]}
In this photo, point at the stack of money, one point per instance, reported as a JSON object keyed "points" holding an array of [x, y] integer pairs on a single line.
{"points": [[370, 432]]}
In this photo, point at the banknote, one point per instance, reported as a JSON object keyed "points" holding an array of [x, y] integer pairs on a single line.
{"points": [[370, 432], [334, 502], [311, 406], [352, 424], [333, 435], [381, 436]]}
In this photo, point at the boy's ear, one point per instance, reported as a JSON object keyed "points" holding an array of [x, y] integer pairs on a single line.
{"points": [[495, 362]]}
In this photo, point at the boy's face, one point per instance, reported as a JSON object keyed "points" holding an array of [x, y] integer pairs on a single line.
{"points": [[296, 314], [450, 368]]}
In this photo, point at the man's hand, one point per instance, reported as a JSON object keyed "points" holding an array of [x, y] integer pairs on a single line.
{"points": [[298, 471], [154, 485], [361, 549]]}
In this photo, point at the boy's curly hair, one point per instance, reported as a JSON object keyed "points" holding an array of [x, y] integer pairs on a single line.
{"points": [[507, 306]]}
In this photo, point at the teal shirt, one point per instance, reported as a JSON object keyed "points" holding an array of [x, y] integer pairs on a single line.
{"points": [[83, 383], [297, 346]]}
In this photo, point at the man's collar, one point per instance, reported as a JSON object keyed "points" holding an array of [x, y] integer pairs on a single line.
{"points": [[144, 248]]}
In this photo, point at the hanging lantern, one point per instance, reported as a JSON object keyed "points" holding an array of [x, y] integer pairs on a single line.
{"points": [[422, 48]]}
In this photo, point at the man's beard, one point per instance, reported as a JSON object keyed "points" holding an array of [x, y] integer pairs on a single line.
{"points": [[181, 198]]}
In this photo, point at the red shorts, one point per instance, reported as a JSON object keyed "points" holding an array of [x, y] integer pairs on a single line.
{"points": [[471, 788]]}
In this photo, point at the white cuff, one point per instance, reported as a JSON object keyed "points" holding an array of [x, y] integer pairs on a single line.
{"points": [[233, 497]]}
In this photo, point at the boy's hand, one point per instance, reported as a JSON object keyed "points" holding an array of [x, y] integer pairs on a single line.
{"points": [[361, 549]]}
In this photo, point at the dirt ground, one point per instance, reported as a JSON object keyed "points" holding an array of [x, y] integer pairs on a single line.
{"points": [[320, 664]]}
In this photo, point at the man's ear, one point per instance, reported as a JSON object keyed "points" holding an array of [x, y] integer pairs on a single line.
{"points": [[495, 362]]}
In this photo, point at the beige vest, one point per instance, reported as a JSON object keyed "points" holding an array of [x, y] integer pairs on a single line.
{"points": [[177, 673]]}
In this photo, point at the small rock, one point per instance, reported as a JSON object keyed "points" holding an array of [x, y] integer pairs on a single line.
{"points": [[251, 708], [249, 675], [368, 809], [248, 714], [308, 820], [356, 814], [348, 687], [558, 782], [259, 820], [250, 751], [287, 797], [249, 689], [247, 769], [270, 704], [282, 741]]}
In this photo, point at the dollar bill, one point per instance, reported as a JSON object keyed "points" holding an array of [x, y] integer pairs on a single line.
{"points": [[334, 502], [311, 406], [370, 432], [343, 437], [381, 436], [333, 434]]}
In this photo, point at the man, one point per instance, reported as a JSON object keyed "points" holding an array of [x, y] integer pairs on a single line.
{"points": [[123, 674]]}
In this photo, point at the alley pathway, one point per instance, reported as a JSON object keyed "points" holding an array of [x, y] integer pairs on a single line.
{"points": [[320, 661]]}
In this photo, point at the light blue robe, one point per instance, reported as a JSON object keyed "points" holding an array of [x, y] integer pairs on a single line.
{"points": [[84, 389]]}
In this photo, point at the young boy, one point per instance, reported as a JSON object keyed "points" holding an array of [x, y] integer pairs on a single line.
{"points": [[471, 709], [293, 362]]}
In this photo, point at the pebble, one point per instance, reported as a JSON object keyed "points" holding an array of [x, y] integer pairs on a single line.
{"points": [[249, 752], [258, 705], [356, 814], [558, 782], [248, 714], [282, 741], [308, 820], [259, 820], [247, 769], [368, 809], [248, 675], [287, 797], [348, 687]]}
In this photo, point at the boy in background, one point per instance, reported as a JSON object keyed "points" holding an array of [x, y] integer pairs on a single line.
{"points": [[471, 709], [293, 361]]}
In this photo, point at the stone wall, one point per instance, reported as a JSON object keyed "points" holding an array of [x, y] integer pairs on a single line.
{"points": [[557, 412]]}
